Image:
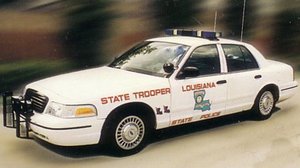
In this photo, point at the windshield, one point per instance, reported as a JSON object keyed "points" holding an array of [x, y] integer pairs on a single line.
{"points": [[149, 57]]}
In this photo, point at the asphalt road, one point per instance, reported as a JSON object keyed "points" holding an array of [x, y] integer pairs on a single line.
{"points": [[230, 142]]}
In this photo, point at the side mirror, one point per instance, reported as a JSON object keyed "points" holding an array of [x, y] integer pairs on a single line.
{"points": [[190, 72], [168, 67]]}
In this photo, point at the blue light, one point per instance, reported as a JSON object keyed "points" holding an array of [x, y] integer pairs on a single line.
{"points": [[194, 33], [210, 35], [169, 32]]}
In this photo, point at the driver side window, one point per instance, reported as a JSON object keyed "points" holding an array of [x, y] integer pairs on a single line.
{"points": [[205, 59]]}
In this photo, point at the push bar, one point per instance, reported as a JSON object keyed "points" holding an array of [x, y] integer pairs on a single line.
{"points": [[16, 114]]}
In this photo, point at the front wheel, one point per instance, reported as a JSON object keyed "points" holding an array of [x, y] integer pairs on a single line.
{"points": [[264, 105], [128, 134]]}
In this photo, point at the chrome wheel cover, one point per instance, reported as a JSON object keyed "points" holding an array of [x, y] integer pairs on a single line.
{"points": [[130, 132], [266, 103]]}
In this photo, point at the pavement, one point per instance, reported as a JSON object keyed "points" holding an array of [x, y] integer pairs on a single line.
{"points": [[229, 142]]}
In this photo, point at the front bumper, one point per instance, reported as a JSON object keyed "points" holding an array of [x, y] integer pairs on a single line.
{"points": [[18, 114]]}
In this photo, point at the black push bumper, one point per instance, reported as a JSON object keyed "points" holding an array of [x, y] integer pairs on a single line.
{"points": [[16, 114]]}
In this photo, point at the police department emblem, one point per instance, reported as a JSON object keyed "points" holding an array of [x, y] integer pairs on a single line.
{"points": [[200, 103]]}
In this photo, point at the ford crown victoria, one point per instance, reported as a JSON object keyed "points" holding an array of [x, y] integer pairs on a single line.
{"points": [[185, 77]]}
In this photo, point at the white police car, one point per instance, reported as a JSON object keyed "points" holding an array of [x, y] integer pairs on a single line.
{"points": [[162, 82]]}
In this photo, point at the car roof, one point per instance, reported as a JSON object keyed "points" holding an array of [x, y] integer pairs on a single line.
{"points": [[194, 41], [198, 41]]}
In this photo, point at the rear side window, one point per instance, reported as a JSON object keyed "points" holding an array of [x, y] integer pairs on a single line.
{"points": [[238, 58]]}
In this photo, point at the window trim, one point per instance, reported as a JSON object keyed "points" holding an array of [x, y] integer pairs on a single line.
{"points": [[204, 75], [243, 70]]}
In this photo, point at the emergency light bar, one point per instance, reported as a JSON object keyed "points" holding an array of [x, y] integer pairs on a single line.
{"points": [[194, 33]]}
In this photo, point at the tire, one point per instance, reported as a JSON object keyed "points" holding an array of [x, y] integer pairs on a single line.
{"points": [[264, 105], [127, 133]]}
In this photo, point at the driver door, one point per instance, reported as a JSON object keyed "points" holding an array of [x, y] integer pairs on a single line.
{"points": [[199, 91]]}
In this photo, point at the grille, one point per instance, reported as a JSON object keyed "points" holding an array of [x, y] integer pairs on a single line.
{"points": [[38, 101]]}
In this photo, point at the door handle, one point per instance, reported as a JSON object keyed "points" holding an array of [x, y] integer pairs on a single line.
{"points": [[221, 82], [257, 76]]}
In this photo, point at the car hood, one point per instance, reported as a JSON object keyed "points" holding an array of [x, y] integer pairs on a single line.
{"points": [[95, 83]]}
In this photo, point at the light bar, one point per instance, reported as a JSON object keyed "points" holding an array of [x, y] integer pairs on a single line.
{"points": [[194, 33]]}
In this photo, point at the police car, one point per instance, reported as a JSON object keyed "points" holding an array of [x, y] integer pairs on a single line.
{"points": [[185, 77]]}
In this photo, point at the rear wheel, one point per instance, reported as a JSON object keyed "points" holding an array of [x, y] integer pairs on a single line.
{"points": [[264, 105]]}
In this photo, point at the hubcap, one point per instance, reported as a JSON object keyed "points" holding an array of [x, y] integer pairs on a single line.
{"points": [[266, 103], [130, 132]]}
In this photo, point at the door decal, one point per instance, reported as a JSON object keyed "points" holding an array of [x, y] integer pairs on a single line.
{"points": [[200, 103]]}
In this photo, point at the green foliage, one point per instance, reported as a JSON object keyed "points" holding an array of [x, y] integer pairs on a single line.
{"points": [[233, 18], [287, 36], [14, 74], [86, 28], [175, 13], [5, 2]]}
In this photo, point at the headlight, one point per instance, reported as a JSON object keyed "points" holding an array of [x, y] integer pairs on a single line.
{"points": [[71, 111]]}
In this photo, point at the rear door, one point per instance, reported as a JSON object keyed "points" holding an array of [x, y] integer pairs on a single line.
{"points": [[243, 78]]}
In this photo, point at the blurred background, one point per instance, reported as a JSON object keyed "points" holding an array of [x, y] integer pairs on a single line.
{"points": [[40, 38]]}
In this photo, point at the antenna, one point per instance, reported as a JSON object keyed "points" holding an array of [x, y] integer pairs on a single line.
{"points": [[215, 23], [243, 20]]}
